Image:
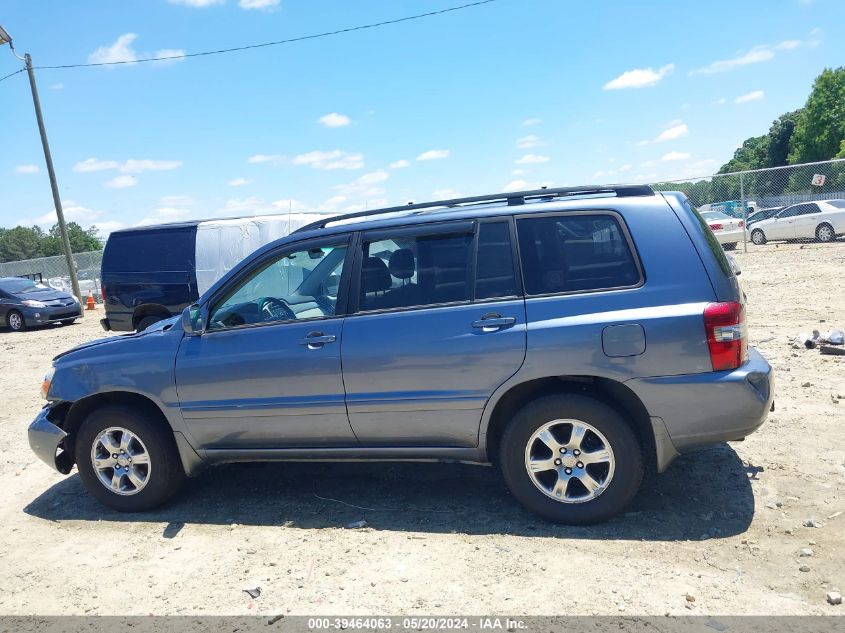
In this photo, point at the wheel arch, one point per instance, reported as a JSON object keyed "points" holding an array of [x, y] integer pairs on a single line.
{"points": [[609, 391]]}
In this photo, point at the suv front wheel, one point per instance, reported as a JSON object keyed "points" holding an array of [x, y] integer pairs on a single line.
{"points": [[571, 459], [127, 460]]}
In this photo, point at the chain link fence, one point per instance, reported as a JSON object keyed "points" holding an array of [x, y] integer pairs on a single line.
{"points": [[794, 203], [53, 271]]}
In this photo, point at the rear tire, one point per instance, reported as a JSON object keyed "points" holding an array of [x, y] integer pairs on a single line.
{"points": [[825, 233], [68, 321], [555, 418], [758, 237], [15, 321], [729, 247], [147, 321], [155, 477]]}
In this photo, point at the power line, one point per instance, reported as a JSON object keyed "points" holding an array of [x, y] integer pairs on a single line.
{"points": [[277, 43], [12, 74]]}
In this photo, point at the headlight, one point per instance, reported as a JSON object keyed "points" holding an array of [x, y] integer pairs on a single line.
{"points": [[32, 303], [45, 384]]}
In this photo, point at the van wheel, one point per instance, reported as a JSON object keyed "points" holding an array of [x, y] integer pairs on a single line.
{"points": [[127, 460], [571, 459], [147, 321], [825, 233], [758, 237], [15, 321]]}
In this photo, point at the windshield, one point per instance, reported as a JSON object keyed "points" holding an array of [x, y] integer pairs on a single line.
{"points": [[18, 286]]}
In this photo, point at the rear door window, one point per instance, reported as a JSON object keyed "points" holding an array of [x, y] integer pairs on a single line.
{"points": [[153, 250], [575, 253], [494, 270]]}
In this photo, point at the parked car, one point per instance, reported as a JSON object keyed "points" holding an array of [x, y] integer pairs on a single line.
{"points": [[822, 220], [729, 231], [151, 273], [573, 337], [26, 303], [763, 214]]}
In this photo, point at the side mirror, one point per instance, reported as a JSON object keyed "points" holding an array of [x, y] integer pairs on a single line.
{"points": [[191, 322]]}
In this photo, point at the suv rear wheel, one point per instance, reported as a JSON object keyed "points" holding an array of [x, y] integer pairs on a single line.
{"points": [[127, 460], [571, 459]]}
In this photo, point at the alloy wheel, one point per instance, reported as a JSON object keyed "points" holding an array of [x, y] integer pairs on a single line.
{"points": [[121, 461]]}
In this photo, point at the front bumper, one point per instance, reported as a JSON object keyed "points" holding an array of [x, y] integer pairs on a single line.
{"points": [[712, 407], [42, 316], [47, 442]]}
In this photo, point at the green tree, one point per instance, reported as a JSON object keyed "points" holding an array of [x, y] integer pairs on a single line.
{"points": [[820, 128], [780, 139], [20, 243], [81, 240]]}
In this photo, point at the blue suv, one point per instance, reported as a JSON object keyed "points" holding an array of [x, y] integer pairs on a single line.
{"points": [[573, 337]]}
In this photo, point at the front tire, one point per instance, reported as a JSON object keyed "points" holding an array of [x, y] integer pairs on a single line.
{"points": [[758, 237], [571, 459], [825, 233], [127, 459], [15, 321], [147, 321]]}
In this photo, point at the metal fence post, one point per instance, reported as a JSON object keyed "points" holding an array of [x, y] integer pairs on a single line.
{"points": [[744, 213]]}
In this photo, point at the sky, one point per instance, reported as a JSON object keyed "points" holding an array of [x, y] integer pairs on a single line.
{"points": [[509, 95]]}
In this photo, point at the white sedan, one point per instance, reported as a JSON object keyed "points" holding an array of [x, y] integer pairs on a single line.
{"points": [[727, 230], [822, 220]]}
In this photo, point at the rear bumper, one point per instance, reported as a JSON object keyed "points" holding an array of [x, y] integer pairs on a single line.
{"points": [[729, 237], [713, 407], [47, 442]]}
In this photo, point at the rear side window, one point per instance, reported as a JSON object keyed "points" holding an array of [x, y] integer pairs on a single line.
{"points": [[415, 270], [575, 253], [494, 270], [154, 250]]}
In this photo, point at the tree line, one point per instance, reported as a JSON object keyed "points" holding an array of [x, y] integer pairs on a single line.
{"points": [[30, 242], [813, 133]]}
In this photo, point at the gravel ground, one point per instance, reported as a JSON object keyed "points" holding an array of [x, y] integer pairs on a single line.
{"points": [[720, 532]]}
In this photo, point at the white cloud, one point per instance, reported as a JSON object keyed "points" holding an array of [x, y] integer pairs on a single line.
{"points": [[263, 5], [532, 159], [58, 86], [94, 164], [136, 166], [788, 45], [675, 156], [334, 159], [122, 51], [176, 201], [197, 4], [122, 182], [756, 55], [400, 164], [434, 154], [639, 78], [532, 121], [756, 95], [446, 194], [671, 133], [27, 169], [266, 158], [334, 120], [365, 185], [722, 101], [519, 172], [527, 142], [642, 143], [238, 182], [516, 185], [166, 214], [626, 167]]}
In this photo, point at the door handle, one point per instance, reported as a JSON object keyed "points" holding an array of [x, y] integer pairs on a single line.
{"points": [[316, 340], [493, 321]]}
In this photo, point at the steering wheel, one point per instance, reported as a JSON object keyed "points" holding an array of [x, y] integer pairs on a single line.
{"points": [[273, 309]]}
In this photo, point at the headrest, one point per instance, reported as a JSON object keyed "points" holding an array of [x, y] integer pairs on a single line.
{"points": [[401, 263], [374, 275]]}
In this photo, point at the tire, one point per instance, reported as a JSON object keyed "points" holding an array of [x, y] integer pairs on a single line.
{"points": [[68, 321], [15, 321], [729, 247], [622, 475], [758, 237], [160, 480], [825, 233], [147, 321]]}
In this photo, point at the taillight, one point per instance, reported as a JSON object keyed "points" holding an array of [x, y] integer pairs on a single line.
{"points": [[726, 334], [741, 224], [715, 227]]}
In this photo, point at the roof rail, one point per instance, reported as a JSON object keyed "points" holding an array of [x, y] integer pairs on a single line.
{"points": [[513, 199]]}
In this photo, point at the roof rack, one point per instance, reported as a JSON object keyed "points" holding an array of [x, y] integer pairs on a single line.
{"points": [[514, 198]]}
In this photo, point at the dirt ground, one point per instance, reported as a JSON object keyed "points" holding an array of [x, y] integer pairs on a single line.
{"points": [[722, 526]]}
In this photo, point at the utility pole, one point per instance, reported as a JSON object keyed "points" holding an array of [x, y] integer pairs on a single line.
{"points": [[54, 186]]}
